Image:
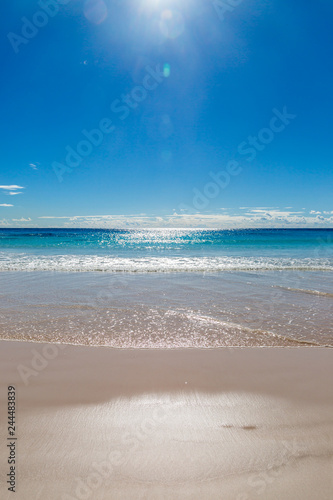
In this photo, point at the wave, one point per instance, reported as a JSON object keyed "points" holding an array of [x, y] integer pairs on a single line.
{"points": [[255, 332], [311, 292], [148, 328], [98, 263]]}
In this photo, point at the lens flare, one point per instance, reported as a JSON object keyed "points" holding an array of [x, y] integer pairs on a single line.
{"points": [[95, 11], [171, 23], [166, 70]]}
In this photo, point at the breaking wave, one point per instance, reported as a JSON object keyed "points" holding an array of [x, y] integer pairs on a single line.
{"points": [[99, 263]]}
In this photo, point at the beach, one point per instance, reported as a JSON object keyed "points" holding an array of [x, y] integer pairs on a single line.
{"points": [[167, 288], [167, 364], [168, 310], [231, 423], [166, 250]]}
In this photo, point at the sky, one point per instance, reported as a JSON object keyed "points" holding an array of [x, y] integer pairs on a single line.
{"points": [[153, 113]]}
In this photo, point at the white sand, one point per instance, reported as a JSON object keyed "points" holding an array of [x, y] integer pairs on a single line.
{"points": [[238, 424]]}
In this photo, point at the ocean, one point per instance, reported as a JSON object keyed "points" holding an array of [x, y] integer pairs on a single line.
{"points": [[167, 287]]}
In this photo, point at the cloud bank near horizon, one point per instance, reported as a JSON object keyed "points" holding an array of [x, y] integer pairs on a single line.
{"points": [[245, 217]]}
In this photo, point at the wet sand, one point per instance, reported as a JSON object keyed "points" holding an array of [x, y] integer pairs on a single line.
{"points": [[176, 310], [228, 423]]}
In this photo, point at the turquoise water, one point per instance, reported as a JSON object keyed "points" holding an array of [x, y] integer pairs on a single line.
{"points": [[165, 250]]}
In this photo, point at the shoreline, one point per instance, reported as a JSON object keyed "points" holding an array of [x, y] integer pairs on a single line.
{"points": [[298, 344], [201, 310], [238, 423]]}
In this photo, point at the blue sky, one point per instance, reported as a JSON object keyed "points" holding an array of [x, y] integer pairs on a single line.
{"points": [[205, 113]]}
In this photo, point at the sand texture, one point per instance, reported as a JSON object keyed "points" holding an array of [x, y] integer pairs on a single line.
{"points": [[232, 424]]}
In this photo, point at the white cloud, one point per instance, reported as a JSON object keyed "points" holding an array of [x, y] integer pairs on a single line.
{"points": [[270, 213], [13, 193], [258, 218], [53, 217], [21, 220], [12, 187], [256, 209], [5, 205], [33, 166]]}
